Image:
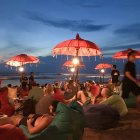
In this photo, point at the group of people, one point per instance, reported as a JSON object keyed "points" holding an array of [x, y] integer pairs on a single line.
{"points": [[25, 81], [49, 96]]}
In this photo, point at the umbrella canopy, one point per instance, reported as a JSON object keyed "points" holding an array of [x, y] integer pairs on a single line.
{"points": [[103, 66], [70, 47], [22, 59], [123, 54], [70, 64], [13, 63]]}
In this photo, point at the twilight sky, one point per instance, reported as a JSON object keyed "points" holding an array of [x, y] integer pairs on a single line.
{"points": [[36, 26]]}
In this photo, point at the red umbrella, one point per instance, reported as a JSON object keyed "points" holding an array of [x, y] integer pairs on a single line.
{"points": [[77, 47], [123, 54], [70, 64], [103, 66], [22, 59]]}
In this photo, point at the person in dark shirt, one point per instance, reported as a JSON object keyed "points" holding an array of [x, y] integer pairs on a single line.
{"points": [[23, 81], [31, 80], [115, 74], [130, 83]]}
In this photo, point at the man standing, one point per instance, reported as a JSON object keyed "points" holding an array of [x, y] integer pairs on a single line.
{"points": [[23, 81], [31, 80], [130, 83], [115, 74]]}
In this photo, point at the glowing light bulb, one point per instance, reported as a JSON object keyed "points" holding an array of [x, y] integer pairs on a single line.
{"points": [[21, 69], [72, 69], [102, 70], [75, 61]]}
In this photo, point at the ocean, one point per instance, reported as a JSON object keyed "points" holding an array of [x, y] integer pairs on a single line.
{"points": [[42, 78]]}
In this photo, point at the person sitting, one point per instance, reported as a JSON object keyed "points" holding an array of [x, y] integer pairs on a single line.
{"points": [[35, 123], [44, 87], [70, 96], [35, 93], [49, 90], [113, 100], [94, 90]]}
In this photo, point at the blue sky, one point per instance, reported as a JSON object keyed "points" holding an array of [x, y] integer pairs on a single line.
{"points": [[36, 26]]}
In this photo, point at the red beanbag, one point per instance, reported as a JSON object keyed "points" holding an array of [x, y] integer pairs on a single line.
{"points": [[5, 107], [10, 132]]}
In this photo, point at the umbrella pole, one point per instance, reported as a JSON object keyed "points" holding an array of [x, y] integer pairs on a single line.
{"points": [[103, 78], [77, 71]]}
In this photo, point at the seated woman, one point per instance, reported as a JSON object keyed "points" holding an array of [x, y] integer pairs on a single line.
{"points": [[49, 90], [35, 123], [113, 100], [71, 91], [95, 91]]}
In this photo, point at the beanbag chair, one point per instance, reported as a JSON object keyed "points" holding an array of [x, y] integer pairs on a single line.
{"points": [[42, 106], [6, 107], [68, 123], [131, 101], [11, 132], [12, 92], [101, 116]]}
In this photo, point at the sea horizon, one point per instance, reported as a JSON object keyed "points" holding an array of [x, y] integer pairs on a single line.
{"points": [[42, 77]]}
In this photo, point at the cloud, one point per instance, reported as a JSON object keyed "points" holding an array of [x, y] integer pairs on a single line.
{"points": [[109, 51], [123, 47], [132, 30], [73, 25], [12, 49]]}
